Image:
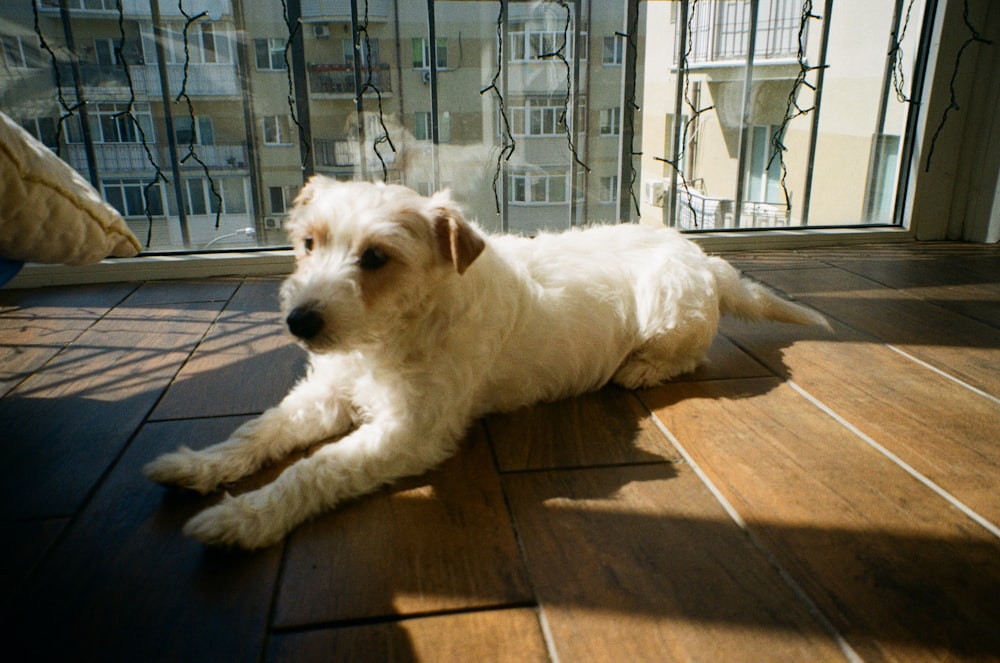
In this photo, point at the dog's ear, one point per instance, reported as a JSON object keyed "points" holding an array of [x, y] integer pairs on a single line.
{"points": [[458, 242], [309, 190]]}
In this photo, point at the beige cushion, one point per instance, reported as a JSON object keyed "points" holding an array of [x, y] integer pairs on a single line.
{"points": [[49, 212]]}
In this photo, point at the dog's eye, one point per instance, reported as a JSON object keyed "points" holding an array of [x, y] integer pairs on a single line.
{"points": [[307, 244], [372, 258]]}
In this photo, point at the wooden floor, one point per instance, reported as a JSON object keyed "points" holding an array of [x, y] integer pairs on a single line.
{"points": [[806, 496]]}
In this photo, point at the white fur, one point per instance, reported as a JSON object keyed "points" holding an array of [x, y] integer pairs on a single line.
{"points": [[455, 325]]}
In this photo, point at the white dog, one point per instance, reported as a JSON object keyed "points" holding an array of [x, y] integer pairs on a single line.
{"points": [[416, 324]]}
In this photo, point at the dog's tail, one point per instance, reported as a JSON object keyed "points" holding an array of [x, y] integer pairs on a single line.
{"points": [[747, 299]]}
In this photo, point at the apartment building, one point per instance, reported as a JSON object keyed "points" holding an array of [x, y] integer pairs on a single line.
{"points": [[808, 132], [200, 119]]}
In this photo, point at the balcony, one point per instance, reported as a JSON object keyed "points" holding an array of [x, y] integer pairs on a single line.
{"points": [[338, 79], [698, 211], [136, 8], [102, 82], [345, 153], [720, 31], [340, 10], [120, 158]]}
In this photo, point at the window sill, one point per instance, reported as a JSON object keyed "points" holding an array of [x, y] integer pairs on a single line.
{"points": [[157, 268], [281, 261]]}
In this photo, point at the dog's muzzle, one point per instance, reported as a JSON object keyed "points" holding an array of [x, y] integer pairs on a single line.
{"points": [[304, 322]]}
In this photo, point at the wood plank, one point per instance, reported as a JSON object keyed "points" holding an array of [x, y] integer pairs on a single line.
{"points": [[498, 636], [962, 277], [603, 428], [124, 584], [36, 324], [25, 543], [247, 346], [154, 293], [258, 356], [945, 431], [725, 361], [608, 427], [774, 259], [965, 348], [439, 542], [641, 563], [66, 423], [900, 572]]}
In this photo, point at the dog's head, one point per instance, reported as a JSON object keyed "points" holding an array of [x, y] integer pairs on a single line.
{"points": [[369, 256]]}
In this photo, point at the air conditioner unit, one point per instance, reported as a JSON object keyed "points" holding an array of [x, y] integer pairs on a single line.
{"points": [[272, 223], [653, 193], [321, 32]]}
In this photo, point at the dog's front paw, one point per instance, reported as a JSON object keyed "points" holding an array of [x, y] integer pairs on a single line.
{"points": [[184, 468], [235, 521]]}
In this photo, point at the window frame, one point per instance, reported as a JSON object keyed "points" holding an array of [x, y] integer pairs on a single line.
{"points": [[941, 56], [282, 131], [29, 55], [273, 47], [421, 44], [127, 184]]}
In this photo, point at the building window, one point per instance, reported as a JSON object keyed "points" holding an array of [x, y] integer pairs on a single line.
{"points": [[277, 130], [422, 127], [104, 49], [369, 52], [234, 195], [609, 189], [537, 117], [542, 187], [128, 196], [614, 50], [422, 53], [115, 123], [22, 53], [270, 54], [42, 128], [611, 121], [207, 43], [764, 174], [530, 43], [200, 131], [277, 203], [229, 196]]}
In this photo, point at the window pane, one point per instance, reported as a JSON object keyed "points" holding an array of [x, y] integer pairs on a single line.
{"points": [[196, 196], [184, 130], [208, 43], [134, 199], [115, 198], [557, 188], [262, 53], [276, 197], [234, 196], [153, 196], [270, 129], [538, 187]]}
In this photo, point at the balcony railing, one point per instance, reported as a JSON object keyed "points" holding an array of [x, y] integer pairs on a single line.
{"points": [[720, 30], [340, 10], [697, 211], [121, 158], [134, 8], [203, 80], [339, 78], [334, 153]]}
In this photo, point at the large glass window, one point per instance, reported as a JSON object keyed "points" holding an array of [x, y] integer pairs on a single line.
{"points": [[205, 117]]}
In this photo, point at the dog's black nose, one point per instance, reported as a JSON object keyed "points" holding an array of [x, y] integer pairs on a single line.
{"points": [[304, 322]]}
